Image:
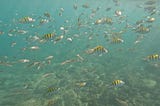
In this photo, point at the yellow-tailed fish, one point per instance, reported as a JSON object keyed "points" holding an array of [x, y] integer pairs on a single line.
{"points": [[100, 49], [52, 89], [97, 49], [26, 20], [117, 40], [153, 57], [48, 36], [117, 83]]}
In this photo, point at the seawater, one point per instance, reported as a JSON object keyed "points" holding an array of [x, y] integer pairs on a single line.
{"points": [[81, 82]]}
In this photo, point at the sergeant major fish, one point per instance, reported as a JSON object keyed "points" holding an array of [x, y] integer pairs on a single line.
{"points": [[97, 49], [52, 90], [116, 40], [26, 19], [153, 57], [48, 35], [117, 83]]}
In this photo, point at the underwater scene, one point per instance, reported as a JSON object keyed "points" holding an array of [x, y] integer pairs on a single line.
{"points": [[80, 53]]}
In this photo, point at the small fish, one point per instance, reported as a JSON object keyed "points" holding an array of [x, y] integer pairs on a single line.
{"points": [[100, 49], [117, 83], [108, 20], [79, 57], [117, 40], [26, 19], [13, 44], [150, 19], [5, 63], [24, 60], [46, 75], [69, 39], [49, 58], [139, 38], [46, 14], [52, 89], [154, 12], [43, 21], [150, 2], [150, 9], [142, 29], [58, 38], [118, 13], [48, 36], [122, 102], [68, 61], [21, 31], [99, 21], [81, 84], [34, 48], [153, 57]]}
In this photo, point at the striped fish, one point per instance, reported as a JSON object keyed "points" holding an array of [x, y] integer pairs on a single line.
{"points": [[153, 57], [26, 20], [116, 40], [48, 36], [52, 89], [117, 83], [100, 49]]}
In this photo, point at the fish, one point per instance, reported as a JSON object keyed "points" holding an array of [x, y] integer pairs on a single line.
{"points": [[68, 61], [81, 84], [24, 60], [43, 21], [49, 58], [118, 13], [58, 38], [150, 19], [122, 102], [108, 20], [116, 40], [48, 36], [26, 19], [153, 57], [46, 14], [6, 64], [98, 49], [150, 9], [117, 83], [150, 2], [99, 21], [52, 89], [34, 47], [142, 29]]}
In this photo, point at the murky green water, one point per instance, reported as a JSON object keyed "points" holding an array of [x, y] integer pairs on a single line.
{"points": [[68, 68]]}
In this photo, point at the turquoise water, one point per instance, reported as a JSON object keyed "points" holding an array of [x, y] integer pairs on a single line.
{"points": [[75, 77]]}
